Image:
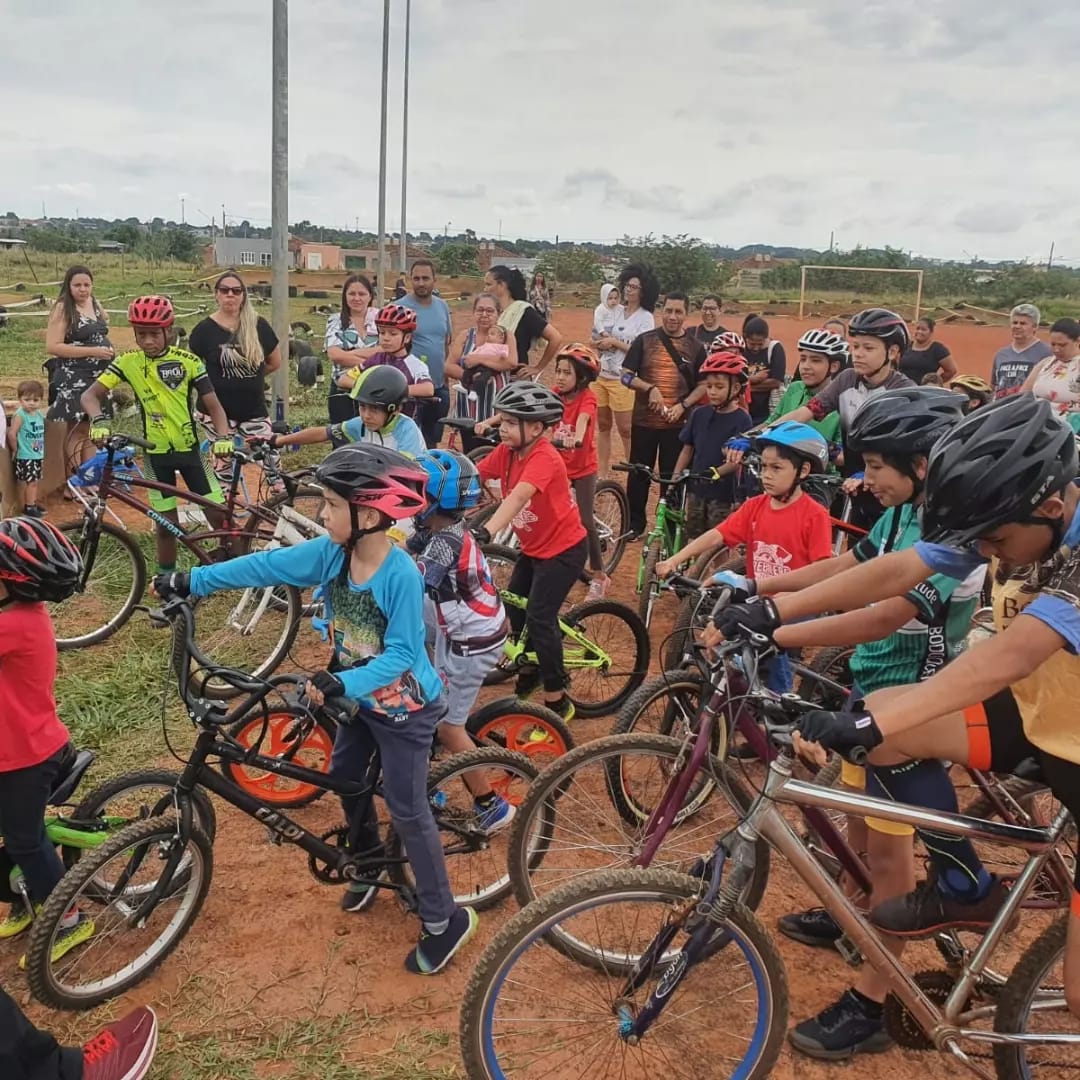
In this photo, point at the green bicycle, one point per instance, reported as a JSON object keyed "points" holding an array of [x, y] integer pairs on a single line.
{"points": [[606, 648]]}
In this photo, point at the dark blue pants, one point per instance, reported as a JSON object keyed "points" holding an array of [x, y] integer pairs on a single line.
{"points": [[29, 1054]]}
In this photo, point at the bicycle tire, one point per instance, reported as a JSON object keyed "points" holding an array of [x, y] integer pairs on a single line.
{"points": [[1014, 1005], [680, 680], [140, 835], [612, 554], [647, 596], [533, 829], [522, 726], [832, 662], [723, 558], [529, 927], [685, 621], [479, 895], [88, 546], [478, 453], [501, 560], [279, 742], [634, 674]]}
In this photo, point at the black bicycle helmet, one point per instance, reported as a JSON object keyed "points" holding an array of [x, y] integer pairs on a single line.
{"points": [[369, 475], [907, 421], [382, 385], [994, 468], [525, 400], [37, 561], [881, 323]]}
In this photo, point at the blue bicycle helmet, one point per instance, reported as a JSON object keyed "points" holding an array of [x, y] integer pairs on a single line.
{"points": [[453, 483], [802, 438]]}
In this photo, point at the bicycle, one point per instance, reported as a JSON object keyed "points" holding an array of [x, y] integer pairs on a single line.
{"points": [[646, 986], [145, 886]]}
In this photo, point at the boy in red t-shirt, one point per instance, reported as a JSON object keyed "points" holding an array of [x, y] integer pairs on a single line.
{"points": [[575, 435], [536, 503], [37, 563]]}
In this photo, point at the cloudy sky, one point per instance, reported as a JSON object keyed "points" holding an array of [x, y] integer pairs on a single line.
{"points": [[947, 127]]}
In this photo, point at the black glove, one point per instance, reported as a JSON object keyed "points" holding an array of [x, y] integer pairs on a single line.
{"points": [[481, 533], [173, 584], [757, 616], [328, 684], [847, 733]]}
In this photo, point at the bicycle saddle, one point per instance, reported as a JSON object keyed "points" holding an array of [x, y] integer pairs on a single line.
{"points": [[78, 762]]}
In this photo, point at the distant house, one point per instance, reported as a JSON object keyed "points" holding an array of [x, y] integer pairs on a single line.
{"points": [[367, 259], [748, 271], [242, 251], [113, 246], [309, 256], [11, 244], [489, 254]]}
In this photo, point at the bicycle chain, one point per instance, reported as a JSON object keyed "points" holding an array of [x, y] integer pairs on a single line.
{"points": [[902, 1026]]}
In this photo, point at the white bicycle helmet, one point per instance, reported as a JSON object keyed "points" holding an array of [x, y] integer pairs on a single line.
{"points": [[824, 342]]}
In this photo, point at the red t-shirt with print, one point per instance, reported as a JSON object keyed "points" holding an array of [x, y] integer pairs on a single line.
{"points": [[778, 541], [549, 523], [581, 461], [30, 730]]}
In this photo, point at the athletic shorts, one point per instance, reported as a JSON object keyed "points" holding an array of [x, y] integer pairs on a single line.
{"points": [[27, 470], [611, 394], [854, 776], [198, 479]]}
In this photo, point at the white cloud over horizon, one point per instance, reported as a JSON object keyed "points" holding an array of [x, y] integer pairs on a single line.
{"points": [[945, 127]]}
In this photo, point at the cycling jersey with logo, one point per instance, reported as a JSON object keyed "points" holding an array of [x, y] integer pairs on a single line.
{"points": [[163, 388]]}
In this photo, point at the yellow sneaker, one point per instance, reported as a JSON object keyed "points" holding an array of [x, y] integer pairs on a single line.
{"points": [[67, 940], [18, 920]]}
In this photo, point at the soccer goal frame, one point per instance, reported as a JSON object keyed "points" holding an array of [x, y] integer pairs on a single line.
{"points": [[863, 270]]}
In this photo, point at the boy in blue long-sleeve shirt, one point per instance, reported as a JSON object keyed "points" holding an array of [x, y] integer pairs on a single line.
{"points": [[374, 599]]}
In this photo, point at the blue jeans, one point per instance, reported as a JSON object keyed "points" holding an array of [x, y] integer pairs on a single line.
{"points": [[405, 750]]}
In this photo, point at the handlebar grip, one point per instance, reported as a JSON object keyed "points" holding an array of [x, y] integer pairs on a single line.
{"points": [[722, 601], [135, 440], [857, 755], [681, 581], [621, 466]]}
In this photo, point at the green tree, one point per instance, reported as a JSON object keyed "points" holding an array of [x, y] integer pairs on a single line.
{"points": [[576, 265], [181, 244], [457, 260], [124, 232], [681, 263]]}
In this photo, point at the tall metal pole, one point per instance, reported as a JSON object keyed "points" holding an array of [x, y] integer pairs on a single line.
{"points": [[279, 201], [405, 136], [381, 274]]}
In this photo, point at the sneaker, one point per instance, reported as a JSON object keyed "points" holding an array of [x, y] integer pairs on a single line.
{"points": [[841, 1031], [598, 587], [814, 927], [434, 951], [33, 510], [17, 921], [528, 682], [563, 708], [495, 816], [358, 899], [124, 1050], [926, 910], [68, 938]]}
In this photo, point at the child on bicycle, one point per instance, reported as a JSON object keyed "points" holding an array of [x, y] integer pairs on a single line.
{"points": [[822, 356], [897, 643], [374, 599], [576, 366], [536, 503], [462, 610], [38, 564], [380, 392], [164, 379], [26, 439], [707, 429]]}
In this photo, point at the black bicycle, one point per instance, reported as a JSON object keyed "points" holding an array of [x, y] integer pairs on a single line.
{"points": [[144, 887]]}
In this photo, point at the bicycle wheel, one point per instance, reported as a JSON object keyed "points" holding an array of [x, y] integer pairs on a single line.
{"points": [[501, 560], [293, 735], [522, 726], [606, 654], [611, 512], [120, 953], [114, 580], [723, 558], [649, 581], [693, 613], [475, 861], [588, 812], [833, 663], [531, 1012], [667, 704], [1032, 1003]]}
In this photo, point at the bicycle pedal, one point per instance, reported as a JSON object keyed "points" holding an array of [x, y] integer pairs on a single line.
{"points": [[847, 949]]}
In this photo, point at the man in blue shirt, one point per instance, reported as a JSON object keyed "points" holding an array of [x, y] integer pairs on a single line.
{"points": [[431, 343]]}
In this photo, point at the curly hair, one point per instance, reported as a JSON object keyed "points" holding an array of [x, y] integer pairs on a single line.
{"points": [[650, 286]]}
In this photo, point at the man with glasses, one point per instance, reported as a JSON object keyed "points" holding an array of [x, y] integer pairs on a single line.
{"points": [[709, 329], [431, 342]]}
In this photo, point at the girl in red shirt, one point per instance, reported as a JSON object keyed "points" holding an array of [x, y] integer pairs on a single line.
{"points": [[575, 435], [536, 503], [37, 563]]}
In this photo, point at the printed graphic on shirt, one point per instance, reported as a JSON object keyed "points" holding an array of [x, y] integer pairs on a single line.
{"points": [[172, 374], [524, 519], [770, 560]]}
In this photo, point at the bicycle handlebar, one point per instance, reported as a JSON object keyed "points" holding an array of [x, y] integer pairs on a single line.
{"points": [[119, 442], [681, 478]]}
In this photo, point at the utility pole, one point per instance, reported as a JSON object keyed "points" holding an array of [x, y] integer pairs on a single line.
{"points": [[1050, 260], [381, 272], [832, 237], [405, 136], [183, 220], [556, 266], [279, 200], [224, 231]]}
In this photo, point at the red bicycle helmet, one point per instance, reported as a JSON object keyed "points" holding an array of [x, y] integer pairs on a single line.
{"points": [[368, 475], [155, 311], [396, 316], [724, 363], [584, 360], [37, 561]]}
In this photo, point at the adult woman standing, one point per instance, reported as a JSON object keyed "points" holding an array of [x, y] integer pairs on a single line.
{"points": [[239, 349], [351, 337], [926, 356], [615, 402], [466, 358], [77, 341], [519, 317], [1057, 379], [540, 295]]}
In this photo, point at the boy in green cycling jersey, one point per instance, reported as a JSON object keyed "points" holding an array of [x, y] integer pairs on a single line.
{"points": [[163, 378], [821, 356]]}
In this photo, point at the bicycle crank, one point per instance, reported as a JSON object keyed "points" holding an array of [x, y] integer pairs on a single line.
{"points": [[901, 1025]]}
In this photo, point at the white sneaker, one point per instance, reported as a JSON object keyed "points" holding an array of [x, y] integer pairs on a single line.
{"points": [[598, 587]]}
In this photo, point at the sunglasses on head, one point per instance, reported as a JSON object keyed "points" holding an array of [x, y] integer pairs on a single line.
{"points": [[231, 290]]}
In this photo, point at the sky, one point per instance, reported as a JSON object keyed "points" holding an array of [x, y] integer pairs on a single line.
{"points": [[943, 127]]}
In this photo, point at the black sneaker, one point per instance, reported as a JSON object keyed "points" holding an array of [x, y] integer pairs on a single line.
{"points": [[926, 910], [358, 899], [841, 1031], [814, 927], [434, 951], [528, 682]]}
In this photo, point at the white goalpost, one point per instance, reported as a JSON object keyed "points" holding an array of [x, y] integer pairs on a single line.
{"points": [[918, 275]]}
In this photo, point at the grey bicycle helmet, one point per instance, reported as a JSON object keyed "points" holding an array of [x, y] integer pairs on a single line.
{"points": [[382, 385], [906, 421], [883, 324], [525, 400], [995, 468]]}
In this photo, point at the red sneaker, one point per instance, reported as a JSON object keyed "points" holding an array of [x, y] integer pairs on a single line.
{"points": [[124, 1050]]}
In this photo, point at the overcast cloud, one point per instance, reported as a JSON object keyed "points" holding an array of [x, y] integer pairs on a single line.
{"points": [[942, 126]]}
